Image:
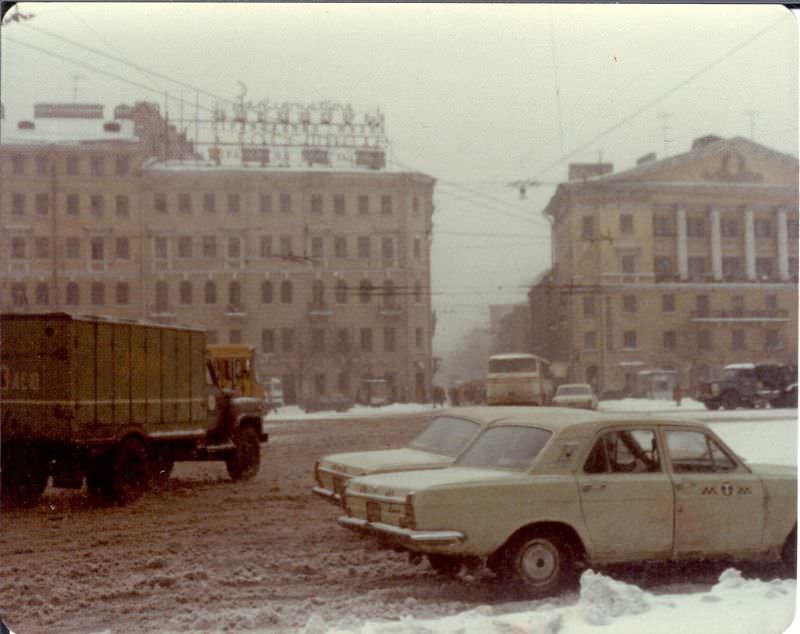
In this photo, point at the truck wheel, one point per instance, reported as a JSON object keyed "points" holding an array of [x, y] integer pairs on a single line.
{"points": [[730, 400], [130, 471], [23, 483], [445, 565], [713, 405], [244, 463], [540, 562]]}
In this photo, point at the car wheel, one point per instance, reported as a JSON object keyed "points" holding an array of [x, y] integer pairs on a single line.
{"points": [[445, 565], [540, 563], [789, 553], [246, 458]]}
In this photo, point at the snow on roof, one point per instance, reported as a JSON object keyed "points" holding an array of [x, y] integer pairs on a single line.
{"points": [[66, 131], [193, 165]]}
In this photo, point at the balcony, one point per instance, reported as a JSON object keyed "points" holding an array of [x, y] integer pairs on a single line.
{"points": [[235, 311], [740, 315], [319, 310]]}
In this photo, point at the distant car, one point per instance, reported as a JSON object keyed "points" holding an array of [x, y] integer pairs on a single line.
{"points": [[446, 435], [575, 395], [550, 490], [329, 402]]}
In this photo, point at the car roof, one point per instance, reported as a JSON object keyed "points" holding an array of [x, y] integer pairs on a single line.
{"points": [[561, 418]]}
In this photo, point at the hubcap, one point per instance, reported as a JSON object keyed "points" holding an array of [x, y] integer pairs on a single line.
{"points": [[539, 561]]}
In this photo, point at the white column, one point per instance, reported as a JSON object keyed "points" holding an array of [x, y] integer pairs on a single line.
{"points": [[749, 244], [783, 245], [683, 252], [716, 245]]}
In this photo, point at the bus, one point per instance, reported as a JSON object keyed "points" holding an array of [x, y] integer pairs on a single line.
{"points": [[518, 379]]}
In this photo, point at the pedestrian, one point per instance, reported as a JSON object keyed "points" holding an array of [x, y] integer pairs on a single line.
{"points": [[678, 394]]}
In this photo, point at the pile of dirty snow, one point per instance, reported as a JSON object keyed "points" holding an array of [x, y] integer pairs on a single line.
{"points": [[735, 605]]}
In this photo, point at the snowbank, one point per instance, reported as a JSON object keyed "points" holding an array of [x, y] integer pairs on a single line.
{"points": [[733, 606], [293, 412]]}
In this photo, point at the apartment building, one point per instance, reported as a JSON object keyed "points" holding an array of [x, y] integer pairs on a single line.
{"points": [[325, 269], [680, 265]]}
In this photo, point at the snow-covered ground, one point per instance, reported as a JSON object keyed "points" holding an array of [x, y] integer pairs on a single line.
{"points": [[735, 605]]}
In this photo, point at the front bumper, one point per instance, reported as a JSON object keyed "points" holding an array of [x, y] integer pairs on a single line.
{"points": [[327, 495], [402, 536]]}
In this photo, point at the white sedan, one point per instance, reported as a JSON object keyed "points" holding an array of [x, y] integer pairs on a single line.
{"points": [[575, 395]]}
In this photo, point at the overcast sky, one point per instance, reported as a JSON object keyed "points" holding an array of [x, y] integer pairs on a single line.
{"points": [[475, 95]]}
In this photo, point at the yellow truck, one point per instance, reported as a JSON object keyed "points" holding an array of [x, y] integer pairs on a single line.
{"points": [[235, 367], [116, 403]]}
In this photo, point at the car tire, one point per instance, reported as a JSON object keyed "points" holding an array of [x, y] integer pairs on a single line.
{"points": [[445, 565], [246, 458], [539, 563], [789, 553]]}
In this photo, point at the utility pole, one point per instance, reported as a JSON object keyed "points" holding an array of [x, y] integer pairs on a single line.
{"points": [[664, 116]]}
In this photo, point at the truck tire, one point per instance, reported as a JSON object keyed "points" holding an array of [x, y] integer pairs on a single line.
{"points": [[246, 458], [23, 482], [540, 563], [121, 475], [712, 405], [730, 400]]}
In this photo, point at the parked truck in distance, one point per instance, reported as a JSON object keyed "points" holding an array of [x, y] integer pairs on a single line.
{"points": [[751, 385], [115, 403]]}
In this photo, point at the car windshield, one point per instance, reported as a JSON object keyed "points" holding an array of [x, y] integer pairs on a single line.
{"points": [[573, 390], [446, 436], [505, 447]]}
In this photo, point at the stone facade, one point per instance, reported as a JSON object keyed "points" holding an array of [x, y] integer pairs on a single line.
{"points": [[683, 264], [326, 271]]}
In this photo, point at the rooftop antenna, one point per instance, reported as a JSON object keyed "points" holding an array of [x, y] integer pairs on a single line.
{"points": [[76, 77], [665, 129], [752, 114]]}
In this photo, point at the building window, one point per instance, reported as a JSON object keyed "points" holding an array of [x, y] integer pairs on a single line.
{"points": [[317, 340], [387, 248], [662, 226], [338, 205], [364, 247], [590, 340], [209, 202], [235, 336], [316, 248], [266, 292], [73, 248], [98, 294], [18, 164], [209, 246], [704, 340], [184, 203], [389, 339], [160, 248], [764, 268], [668, 303], [210, 292], [701, 305], [235, 297], [160, 202], [417, 292], [287, 339], [266, 246], [267, 341], [42, 248], [365, 291], [42, 204], [123, 163], [771, 302], [122, 206], [73, 165], [234, 204], [73, 294], [629, 340], [162, 297], [418, 337], [738, 340], [772, 339], [19, 295], [123, 294], [697, 266], [42, 294], [629, 303], [729, 228], [588, 306], [286, 246], [341, 292], [185, 293], [286, 292], [42, 165], [317, 294], [286, 203], [363, 205], [72, 204], [316, 203], [18, 204], [731, 267], [96, 165], [184, 246], [587, 227], [628, 264], [234, 248], [98, 248], [319, 384], [340, 246], [386, 204], [388, 293], [265, 203], [97, 205], [626, 223], [342, 341], [662, 266], [762, 227], [669, 339], [365, 339], [696, 227]]}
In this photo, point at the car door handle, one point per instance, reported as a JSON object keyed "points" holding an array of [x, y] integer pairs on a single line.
{"points": [[597, 486]]}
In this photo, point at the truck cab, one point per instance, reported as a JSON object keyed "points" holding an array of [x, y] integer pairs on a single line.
{"points": [[235, 369]]}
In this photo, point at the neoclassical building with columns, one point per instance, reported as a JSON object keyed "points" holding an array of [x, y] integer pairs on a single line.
{"points": [[674, 267]]}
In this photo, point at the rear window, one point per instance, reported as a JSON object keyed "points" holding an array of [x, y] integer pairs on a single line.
{"points": [[505, 447], [512, 365], [446, 436]]}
